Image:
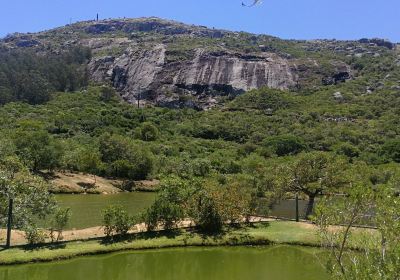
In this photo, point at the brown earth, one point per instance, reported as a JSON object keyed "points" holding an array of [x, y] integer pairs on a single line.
{"points": [[67, 182], [80, 183]]}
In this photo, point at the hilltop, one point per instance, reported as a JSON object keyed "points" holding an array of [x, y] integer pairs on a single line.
{"points": [[170, 64]]}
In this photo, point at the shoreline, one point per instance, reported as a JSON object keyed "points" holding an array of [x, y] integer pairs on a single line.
{"points": [[260, 233], [257, 233]]}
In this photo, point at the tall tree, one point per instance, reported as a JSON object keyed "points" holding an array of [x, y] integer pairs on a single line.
{"points": [[379, 254], [36, 147], [32, 200], [313, 174]]}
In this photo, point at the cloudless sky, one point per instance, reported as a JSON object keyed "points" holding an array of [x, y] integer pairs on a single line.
{"points": [[290, 19]]}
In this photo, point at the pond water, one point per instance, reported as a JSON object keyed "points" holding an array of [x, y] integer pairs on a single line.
{"points": [[222, 263], [86, 210]]}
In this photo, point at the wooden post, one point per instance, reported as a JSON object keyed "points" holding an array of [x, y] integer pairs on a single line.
{"points": [[297, 207], [9, 223]]}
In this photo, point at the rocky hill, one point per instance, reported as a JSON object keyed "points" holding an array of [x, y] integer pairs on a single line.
{"points": [[166, 63]]}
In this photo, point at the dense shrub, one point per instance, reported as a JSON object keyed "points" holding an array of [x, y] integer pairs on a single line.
{"points": [[391, 150], [284, 145], [116, 221], [169, 207], [27, 76]]}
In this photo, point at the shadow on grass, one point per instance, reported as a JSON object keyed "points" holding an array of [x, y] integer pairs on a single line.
{"points": [[49, 246], [170, 234], [235, 234]]}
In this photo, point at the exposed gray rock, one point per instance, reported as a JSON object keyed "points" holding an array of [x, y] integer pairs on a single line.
{"points": [[379, 42], [338, 96], [143, 74]]}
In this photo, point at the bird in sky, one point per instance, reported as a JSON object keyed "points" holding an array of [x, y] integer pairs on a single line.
{"points": [[252, 4]]}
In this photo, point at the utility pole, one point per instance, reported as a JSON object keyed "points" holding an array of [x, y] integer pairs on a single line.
{"points": [[97, 17], [9, 223], [297, 207]]}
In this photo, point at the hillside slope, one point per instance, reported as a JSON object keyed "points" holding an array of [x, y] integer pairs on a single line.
{"points": [[171, 64]]}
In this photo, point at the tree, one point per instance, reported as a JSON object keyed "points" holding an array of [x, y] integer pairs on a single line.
{"points": [[90, 162], [169, 206], [36, 147], [148, 132], [313, 174], [60, 221], [113, 147], [5, 95], [285, 145], [348, 150], [209, 204], [391, 149], [206, 212], [116, 221], [214, 205], [126, 159], [33, 88], [32, 200], [378, 256]]}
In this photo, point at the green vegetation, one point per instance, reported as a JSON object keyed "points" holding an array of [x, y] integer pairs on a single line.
{"points": [[116, 221], [379, 257], [32, 200], [30, 77], [261, 234], [59, 223], [323, 138]]}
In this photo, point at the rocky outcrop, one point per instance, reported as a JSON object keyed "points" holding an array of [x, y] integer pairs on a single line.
{"points": [[378, 42], [145, 75], [155, 25], [167, 63]]}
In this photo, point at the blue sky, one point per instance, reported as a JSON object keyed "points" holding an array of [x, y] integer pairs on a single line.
{"points": [[291, 19]]}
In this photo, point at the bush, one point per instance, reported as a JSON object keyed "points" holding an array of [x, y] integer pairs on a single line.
{"points": [[116, 221], [284, 145], [169, 206], [206, 214], [201, 167], [35, 235], [148, 132], [348, 150], [391, 150], [125, 158], [59, 222], [214, 205]]}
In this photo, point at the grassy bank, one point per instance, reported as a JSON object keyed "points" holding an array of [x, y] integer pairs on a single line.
{"points": [[277, 232]]}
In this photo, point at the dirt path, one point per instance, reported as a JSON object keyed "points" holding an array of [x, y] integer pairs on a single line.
{"points": [[18, 237]]}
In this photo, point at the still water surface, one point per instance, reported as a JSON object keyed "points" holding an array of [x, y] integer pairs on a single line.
{"points": [[222, 263], [87, 209]]}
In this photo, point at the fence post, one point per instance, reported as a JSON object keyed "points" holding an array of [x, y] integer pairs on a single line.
{"points": [[297, 207], [9, 222]]}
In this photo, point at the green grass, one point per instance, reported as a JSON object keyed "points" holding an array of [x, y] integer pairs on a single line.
{"points": [[276, 232], [261, 234]]}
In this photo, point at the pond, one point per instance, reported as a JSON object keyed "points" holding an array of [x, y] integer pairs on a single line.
{"points": [[270, 263], [87, 209]]}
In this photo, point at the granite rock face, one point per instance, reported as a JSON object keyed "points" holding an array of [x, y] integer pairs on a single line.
{"points": [[145, 75], [152, 61]]}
